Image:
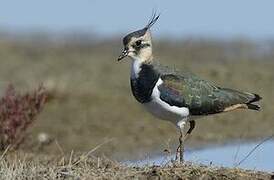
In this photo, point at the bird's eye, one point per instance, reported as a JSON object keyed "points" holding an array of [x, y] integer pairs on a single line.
{"points": [[138, 43]]}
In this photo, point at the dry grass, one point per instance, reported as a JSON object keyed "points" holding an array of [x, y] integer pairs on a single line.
{"points": [[91, 99], [27, 166]]}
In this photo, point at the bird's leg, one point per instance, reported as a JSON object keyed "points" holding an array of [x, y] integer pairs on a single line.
{"points": [[191, 127], [181, 143], [180, 149]]}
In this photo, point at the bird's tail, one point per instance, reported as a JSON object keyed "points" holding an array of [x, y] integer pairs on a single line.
{"points": [[238, 99], [255, 98]]}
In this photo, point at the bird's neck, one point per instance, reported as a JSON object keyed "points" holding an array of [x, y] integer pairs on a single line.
{"points": [[143, 79], [137, 64]]}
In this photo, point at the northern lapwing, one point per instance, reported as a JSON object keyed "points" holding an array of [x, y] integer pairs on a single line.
{"points": [[176, 96]]}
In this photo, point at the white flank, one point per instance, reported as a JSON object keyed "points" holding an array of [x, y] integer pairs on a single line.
{"points": [[162, 109]]}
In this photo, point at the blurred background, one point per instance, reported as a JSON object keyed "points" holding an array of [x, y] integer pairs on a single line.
{"points": [[71, 47]]}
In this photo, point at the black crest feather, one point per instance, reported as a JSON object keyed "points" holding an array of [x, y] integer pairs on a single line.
{"points": [[152, 20], [141, 32]]}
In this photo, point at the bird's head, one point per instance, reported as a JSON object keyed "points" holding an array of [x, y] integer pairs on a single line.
{"points": [[138, 45]]}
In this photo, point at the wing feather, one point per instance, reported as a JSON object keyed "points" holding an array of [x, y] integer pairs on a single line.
{"points": [[200, 96]]}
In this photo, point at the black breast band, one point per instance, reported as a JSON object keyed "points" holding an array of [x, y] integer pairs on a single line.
{"points": [[142, 86]]}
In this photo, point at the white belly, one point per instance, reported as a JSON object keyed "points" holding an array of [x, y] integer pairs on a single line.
{"points": [[162, 109]]}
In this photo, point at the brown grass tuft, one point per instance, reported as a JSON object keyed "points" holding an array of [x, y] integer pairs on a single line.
{"points": [[17, 113]]}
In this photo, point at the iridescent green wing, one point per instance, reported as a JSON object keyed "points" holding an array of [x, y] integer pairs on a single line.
{"points": [[201, 97]]}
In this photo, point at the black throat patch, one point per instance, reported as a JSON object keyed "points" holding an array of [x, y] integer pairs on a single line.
{"points": [[142, 86]]}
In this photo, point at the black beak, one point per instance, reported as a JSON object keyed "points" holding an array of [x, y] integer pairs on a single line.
{"points": [[123, 55]]}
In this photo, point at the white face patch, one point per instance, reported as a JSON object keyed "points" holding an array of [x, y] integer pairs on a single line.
{"points": [[143, 53], [135, 68], [162, 109]]}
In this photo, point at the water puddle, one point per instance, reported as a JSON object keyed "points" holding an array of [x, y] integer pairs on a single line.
{"points": [[262, 159]]}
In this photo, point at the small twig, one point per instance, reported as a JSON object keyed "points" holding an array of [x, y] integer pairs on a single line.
{"points": [[62, 160], [236, 154], [91, 151], [5, 152], [167, 152], [70, 158], [258, 145], [59, 147], [238, 150], [98, 162]]}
